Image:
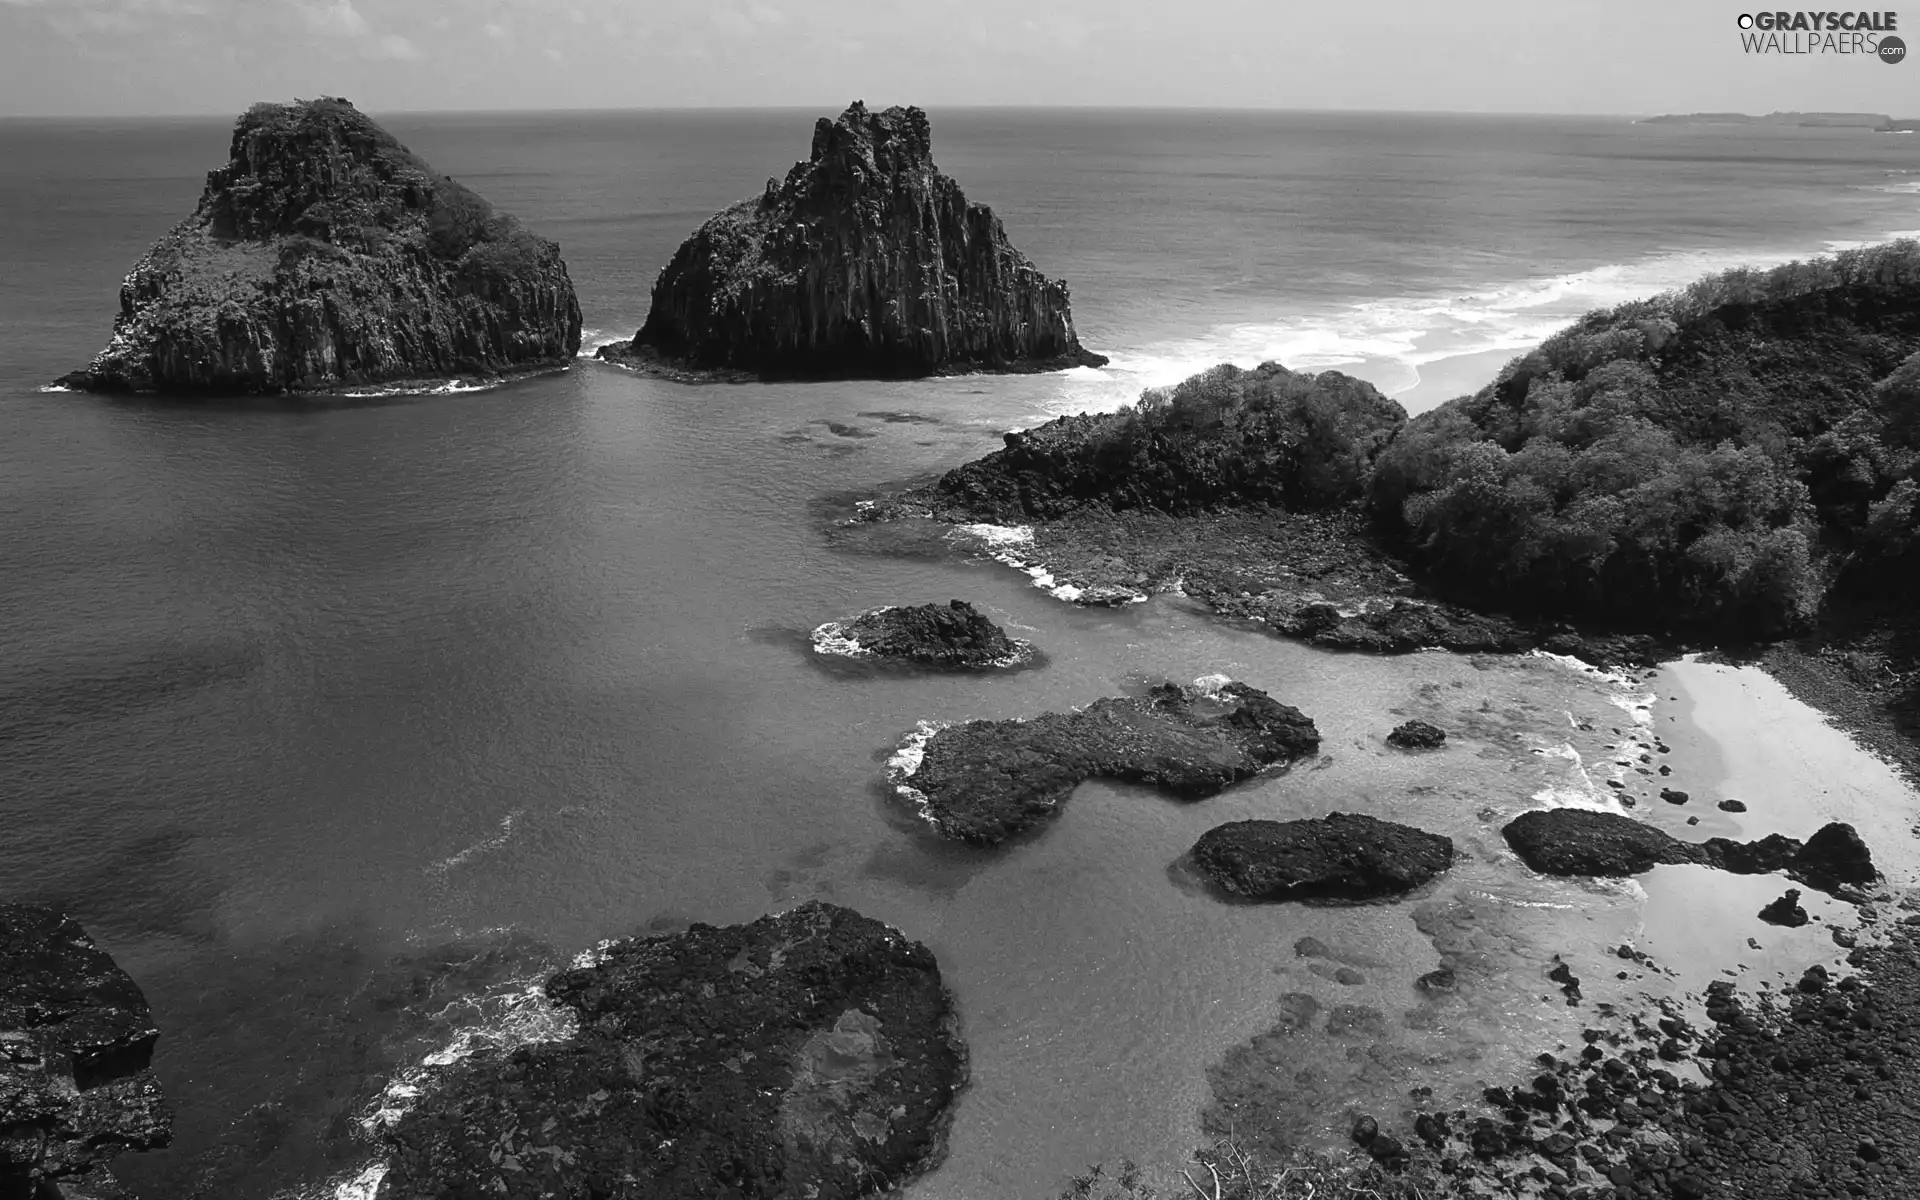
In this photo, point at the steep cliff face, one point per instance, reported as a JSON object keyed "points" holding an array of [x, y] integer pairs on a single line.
{"points": [[76, 1040], [865, 261], [325, 254]]}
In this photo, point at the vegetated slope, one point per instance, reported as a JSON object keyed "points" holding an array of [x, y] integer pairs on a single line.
{"points": [[1715, 459]]}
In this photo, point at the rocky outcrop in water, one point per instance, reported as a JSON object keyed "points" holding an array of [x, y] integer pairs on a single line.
{"points": [[809, 1054], [951, 635], [1417, 735], [1345, 856], [865, 261], [1574, 841], [985, 781], [326, 255], [76, 1045]]}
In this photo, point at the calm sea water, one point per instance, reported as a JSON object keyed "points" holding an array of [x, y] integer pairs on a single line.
{"points": [[339, 723]]}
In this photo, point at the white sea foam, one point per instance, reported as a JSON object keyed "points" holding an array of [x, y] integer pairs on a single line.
{"points": [[513, 1013], [999, 535], [906, 760], [832, 638], [53, 387], [998, 541], [1568, 661], [1210, 685], [481, 847], [591, 340], [1388, 341]]}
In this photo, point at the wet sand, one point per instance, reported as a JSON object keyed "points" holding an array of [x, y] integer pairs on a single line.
{"points": [[1445, 378]]}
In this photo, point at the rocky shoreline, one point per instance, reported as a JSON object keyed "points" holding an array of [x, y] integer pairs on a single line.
{"points": [[77, 1086]]}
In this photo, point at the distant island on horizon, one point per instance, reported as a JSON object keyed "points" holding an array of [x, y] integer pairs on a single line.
{"points": [[1877, 122]]}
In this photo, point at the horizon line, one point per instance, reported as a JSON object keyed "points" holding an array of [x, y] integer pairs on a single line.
{"points": [[211, 114]]}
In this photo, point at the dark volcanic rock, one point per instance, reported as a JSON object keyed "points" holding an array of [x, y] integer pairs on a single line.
{"points": [[865, 261], [954, 634], [325, 254], [1342, 855], [809, 1054], [1417, 735], [984, 781], [76, 1041], [1573, 841], [1578, 841], [1786, 911]]}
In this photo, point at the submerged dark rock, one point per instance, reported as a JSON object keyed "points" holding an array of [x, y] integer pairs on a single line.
{"points": [[865, 261], [1417, 735], [326, 255], [809, 1054], [954, 634], [1574, 841], [984, 781], [1346, 856], [76, 1047]]}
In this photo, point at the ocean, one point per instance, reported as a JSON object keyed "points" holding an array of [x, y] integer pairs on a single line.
{"points": [[340, 723]]}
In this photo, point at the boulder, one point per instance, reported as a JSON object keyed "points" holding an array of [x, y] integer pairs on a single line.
{"points": [[865, 261], [1574, 841], [1417, 735], [326, 255], [952, 635], [811, 1054], [1786, 911], [1345, 856], [76, 1049], [985, 781]]}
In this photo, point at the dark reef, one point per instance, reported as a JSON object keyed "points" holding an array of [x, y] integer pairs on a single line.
{"points": [[865, 261], [985, 781], [1575, 841], [326, 255], [76, 1048], [809, 1054], [951, 635], [1417, 735], [1344, 856]]}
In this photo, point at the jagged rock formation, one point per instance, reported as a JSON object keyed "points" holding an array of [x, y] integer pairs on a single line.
{"points": [[865, 261], [809, 1054], [1574, 841], [954, 635], [1346, 856], [76, 1043], [985, 781], [326, 255]]}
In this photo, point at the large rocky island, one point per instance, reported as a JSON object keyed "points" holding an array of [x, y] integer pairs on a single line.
{"points": [[76, 1048], [866, 261], [325, 255]]}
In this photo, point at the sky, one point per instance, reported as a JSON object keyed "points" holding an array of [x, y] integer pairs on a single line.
{"points": [[141, 57]]}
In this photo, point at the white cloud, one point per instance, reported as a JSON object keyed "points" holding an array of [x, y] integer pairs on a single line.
{"points": [[392, 45], [339, 18], [495, 30]]}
